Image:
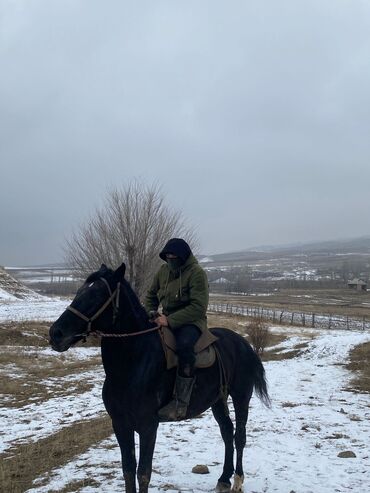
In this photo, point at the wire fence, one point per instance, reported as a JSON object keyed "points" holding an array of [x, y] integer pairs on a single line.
{"points": [[287, 317]]}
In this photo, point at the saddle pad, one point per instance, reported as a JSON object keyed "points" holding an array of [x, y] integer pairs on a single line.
{"points": [[205, 354]]}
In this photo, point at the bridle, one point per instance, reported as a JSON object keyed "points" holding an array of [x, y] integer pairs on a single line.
{"points": [[114, 300]]}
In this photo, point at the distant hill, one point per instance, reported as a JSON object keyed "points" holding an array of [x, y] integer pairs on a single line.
{"points": [[351, 245], [330, 247]]}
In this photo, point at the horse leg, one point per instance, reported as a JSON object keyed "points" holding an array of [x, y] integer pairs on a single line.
{"points": [[226, 427], [241, 407], [126, 441], [147, 444]]}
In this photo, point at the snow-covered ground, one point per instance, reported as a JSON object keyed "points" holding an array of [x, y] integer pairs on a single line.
{"points": [[35, 308], [35, 421], [6, 297], [291, 448]]}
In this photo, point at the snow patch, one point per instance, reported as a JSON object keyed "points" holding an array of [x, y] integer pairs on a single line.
{"points": [[292, 447]]}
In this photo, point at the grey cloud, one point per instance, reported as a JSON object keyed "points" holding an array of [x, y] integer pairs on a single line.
{"points": [[253, 115]]}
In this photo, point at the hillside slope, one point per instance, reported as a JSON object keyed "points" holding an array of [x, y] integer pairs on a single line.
{"points": [[12, 290]]}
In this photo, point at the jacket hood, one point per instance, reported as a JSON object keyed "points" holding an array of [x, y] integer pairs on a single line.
{"points": [[178, 247]]}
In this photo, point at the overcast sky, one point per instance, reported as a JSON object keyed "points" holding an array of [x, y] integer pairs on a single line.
{"points": [[254, 116]]}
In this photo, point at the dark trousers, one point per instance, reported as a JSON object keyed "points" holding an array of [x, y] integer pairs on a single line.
{"points": [[186, 336]]}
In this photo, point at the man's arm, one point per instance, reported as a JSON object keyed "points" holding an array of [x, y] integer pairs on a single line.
{"points": [[151, 300]]}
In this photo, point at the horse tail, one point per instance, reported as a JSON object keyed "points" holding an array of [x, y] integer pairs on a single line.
{"points": [[259, 378]]}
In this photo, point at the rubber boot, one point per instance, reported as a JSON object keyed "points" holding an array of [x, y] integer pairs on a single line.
{"points": [[177, 408]]}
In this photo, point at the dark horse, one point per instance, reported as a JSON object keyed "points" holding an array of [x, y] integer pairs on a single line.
{"points": [[138, 384]]}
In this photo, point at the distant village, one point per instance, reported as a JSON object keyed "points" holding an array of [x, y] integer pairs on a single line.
{"points": [[250, 272]]}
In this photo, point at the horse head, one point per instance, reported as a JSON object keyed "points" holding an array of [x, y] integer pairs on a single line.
{"points": [[94, 307]]}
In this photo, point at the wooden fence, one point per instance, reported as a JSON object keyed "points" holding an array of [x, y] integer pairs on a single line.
{"points": [[293, 318]]}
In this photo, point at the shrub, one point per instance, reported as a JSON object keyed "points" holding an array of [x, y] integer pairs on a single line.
{"points": [[259, 335]]}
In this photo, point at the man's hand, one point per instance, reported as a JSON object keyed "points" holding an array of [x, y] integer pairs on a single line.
{"points": [[153, 314], [162, 321]]}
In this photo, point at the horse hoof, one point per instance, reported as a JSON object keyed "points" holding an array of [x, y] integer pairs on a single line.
{"points": [[223, 487], [238, 484]]}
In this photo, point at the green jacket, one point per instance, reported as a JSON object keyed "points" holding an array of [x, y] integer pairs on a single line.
{"points": [[182, 294]]}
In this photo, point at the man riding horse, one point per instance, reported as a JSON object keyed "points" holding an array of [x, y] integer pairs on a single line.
{"points": [[181, 288], [138, 382]]}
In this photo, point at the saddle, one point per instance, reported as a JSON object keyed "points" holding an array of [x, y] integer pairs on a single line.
{"points": [[205, 354]]}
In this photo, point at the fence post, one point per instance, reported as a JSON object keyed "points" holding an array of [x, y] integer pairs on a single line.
{"points": [[313, 320]]}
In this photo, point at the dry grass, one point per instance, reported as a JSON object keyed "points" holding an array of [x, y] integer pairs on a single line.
{"points": [[31, 334], [280, 354], [24, 334], [240, 324], [289, 404], [26, 372], [25, 367], [360, 363], [21, 392], [22, 464], [76, 486], [320, 301], [39, 365], [227, 320]]}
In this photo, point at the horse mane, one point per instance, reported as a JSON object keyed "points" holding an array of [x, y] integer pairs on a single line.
{"points": [[138, 310], [95, 276]]}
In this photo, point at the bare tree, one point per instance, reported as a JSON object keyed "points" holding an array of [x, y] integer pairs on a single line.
{"points": [[132, 226]]}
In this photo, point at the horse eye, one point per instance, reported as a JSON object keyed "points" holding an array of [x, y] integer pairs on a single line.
{"points": [[91, 284]]}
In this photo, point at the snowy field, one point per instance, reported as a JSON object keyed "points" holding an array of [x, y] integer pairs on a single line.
{"points": [[36, 307], [293, 447], [35, 421]]}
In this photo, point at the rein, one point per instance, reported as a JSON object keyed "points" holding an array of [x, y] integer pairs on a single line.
{"points": [[127, 334], [98, 333]]}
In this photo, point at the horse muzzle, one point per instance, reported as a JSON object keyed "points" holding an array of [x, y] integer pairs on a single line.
{"points": [[58, 341]]}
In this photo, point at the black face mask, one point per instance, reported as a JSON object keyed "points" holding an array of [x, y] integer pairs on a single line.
{"points": [[174, 264]]}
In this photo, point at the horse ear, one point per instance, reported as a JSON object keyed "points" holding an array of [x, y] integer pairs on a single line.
{"points": [[103, 267], [120, 272]]}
